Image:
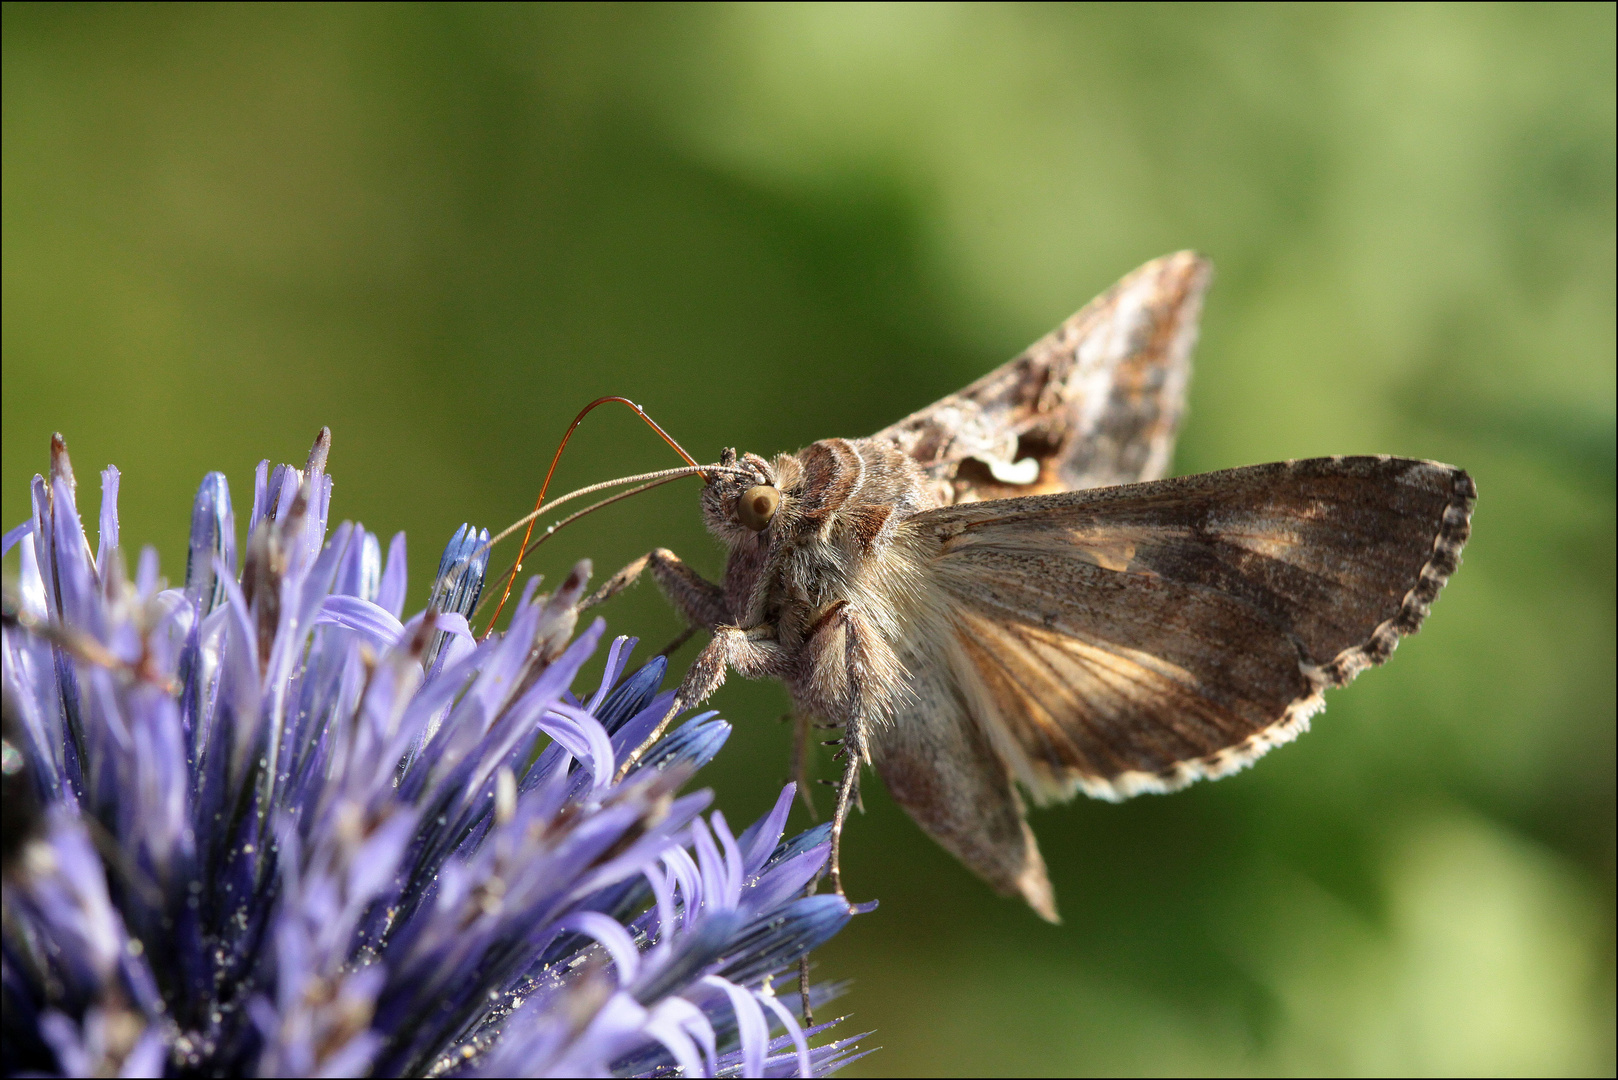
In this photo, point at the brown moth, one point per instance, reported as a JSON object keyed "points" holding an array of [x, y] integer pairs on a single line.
{"points": [[1000, 593]]}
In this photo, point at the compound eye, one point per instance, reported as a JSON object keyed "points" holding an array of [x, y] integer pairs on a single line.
{"points": [[757, 506]]}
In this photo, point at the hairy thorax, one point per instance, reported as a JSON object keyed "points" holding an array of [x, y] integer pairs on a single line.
{"points": [[834, 555]]}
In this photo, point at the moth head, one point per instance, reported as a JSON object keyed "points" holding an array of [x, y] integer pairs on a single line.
{"points": [[742, 499]]}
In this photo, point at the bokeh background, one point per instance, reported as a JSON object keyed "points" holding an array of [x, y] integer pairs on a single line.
{"points": [[441, 230]]}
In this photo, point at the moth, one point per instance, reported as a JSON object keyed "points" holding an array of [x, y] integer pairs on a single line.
{"points": [[1000, 597]]}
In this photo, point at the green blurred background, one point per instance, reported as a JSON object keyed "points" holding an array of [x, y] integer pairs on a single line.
{"points": [[441, 230]]}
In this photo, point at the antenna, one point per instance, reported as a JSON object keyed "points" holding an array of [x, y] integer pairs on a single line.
{"points": [[647, 482], [516, 566]]}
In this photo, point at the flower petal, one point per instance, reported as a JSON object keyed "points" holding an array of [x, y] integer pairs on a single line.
{"points": [[612, 936], [9, 541], [360, 615], [390, 592], [751, 1027], [759, 839]]}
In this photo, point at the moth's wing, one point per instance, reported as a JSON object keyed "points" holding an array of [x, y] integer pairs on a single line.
{"points": [[937, 763], [1096, 402], [1137, 638]]}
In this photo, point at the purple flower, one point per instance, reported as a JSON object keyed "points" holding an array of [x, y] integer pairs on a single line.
{"points": [[259, 824]]}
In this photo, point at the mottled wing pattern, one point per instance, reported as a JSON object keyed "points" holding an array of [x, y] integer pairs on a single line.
{"points": [[1095, 402], [1137, 638]]}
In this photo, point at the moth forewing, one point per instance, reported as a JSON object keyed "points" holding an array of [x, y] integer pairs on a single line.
{"points": [[1204, 648], [1096, 401]]}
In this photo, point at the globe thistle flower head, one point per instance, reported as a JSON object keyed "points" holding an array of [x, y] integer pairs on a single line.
{"points": [[265, 823]]}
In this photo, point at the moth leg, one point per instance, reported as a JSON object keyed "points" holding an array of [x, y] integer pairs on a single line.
{"points": [[698, 600], [694, 596], [803, 990], [753, 653], [854, 665], [616, 584], [848, 790]]}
